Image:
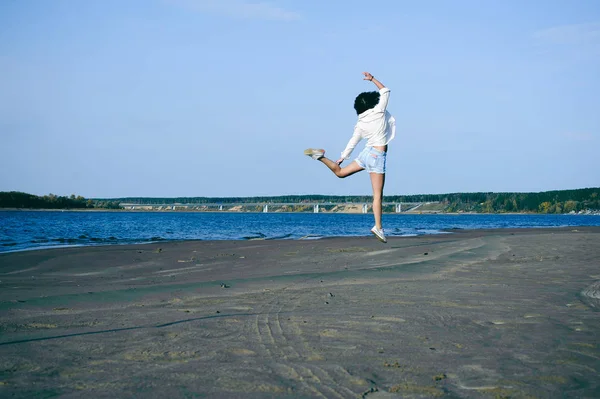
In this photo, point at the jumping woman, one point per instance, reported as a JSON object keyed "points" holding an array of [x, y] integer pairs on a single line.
{"points": [[378, 127]]}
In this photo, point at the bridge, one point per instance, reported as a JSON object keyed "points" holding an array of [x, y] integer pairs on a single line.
{"points": [[399, 207]]}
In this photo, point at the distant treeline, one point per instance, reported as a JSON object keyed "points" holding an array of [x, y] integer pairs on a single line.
{"points": [[15, 199], [561, 201]]}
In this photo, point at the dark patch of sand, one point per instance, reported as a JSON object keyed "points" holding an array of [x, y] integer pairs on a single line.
{"points": [[499, 313]]}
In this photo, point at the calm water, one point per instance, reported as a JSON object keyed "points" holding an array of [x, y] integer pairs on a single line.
{"points": [[30, 230]]}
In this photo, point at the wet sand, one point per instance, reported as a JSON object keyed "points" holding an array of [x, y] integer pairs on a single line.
{"points": [[472, 314]]}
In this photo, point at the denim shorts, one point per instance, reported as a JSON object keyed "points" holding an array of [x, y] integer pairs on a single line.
{"points": [[372, 160]]}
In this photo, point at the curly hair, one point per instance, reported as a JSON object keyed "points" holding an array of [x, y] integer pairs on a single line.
{"points": [[365, 101]]}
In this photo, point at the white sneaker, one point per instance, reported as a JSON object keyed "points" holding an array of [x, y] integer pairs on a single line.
{"points": [[314, 153], [379, 234]]}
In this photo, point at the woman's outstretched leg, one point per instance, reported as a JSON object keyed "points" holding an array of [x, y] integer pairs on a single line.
{"points": [[337, 170]]}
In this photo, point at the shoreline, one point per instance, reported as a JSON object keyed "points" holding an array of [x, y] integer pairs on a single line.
{"points": [[305, 238], [592, 212]]}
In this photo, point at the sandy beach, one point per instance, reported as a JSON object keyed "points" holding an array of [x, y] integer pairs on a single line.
{"points": [[471, 314]]}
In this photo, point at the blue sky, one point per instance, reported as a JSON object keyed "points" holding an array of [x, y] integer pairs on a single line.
{"points": [[172, 98]]}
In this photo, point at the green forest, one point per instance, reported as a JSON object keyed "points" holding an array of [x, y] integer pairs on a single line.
{"points": [[18, 200], [560, 201]]}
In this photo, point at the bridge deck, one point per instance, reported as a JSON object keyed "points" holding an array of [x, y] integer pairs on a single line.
{"points": [[399, 206], [275, 203]]}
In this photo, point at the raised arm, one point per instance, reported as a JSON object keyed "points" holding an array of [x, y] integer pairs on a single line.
{"points": [[384, 92]]}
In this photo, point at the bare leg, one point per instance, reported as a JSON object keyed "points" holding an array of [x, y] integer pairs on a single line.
{"points": [[340, 172], [377, 182]]}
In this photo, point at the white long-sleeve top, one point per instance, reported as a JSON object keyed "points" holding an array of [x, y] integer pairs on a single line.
{"points": [[376, 125]]}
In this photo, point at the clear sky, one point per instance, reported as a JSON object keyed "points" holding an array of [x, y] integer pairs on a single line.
{"points": [[170, 98]]}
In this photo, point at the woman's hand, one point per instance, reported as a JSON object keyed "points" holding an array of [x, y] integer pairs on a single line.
{"points": [[371, 78], [339, 161]]}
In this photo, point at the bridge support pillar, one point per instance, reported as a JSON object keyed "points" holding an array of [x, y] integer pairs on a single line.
{"points": [[265, 208], [316, 208], [365, 207], [399, 208], [220, 207]]}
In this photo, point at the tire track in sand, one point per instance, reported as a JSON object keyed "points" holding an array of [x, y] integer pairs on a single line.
{"points": [[281, 340]]}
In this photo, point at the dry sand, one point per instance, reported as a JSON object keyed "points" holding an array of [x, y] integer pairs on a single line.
{"points": [[473, 314]]}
